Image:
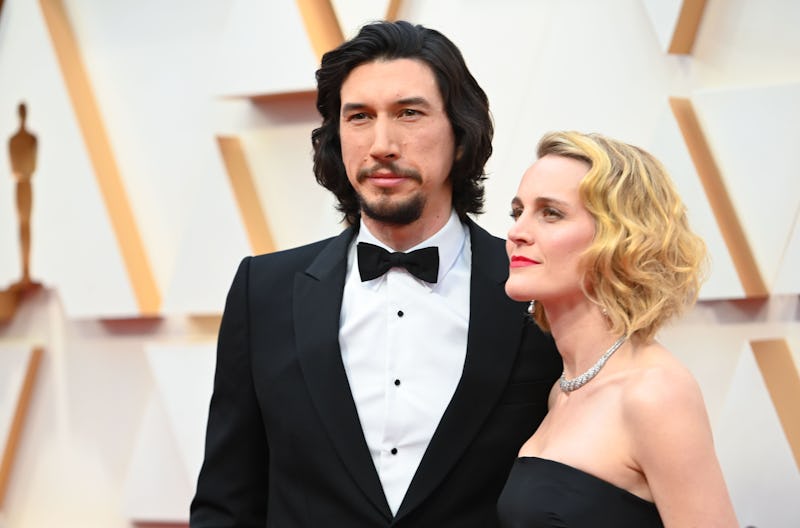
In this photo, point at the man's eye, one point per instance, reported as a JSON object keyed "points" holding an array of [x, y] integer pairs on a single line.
{"points": [[409, 112], [515, 213], [357, 117]]}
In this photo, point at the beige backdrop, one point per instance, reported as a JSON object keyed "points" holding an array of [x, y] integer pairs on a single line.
{"points": [[174, 140]]}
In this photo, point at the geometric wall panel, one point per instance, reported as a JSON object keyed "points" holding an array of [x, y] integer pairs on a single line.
{"points": [[18, 368], [208, 249], [756, 458], [299, 209], [675, 22], [352, 14], [663, 14], [668, 145], [788, 278], [156, 488], [719, 200], [106, 168], [169, 446], [322, 26], [184, 376], [259, 39], [302, 30], [156, 97], [781, 375], [241, 179], [754, 133]]}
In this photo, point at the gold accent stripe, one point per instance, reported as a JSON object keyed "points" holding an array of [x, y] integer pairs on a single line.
{"points": [[244, 190], [393, 9], [322, 26], [686, 28], [8, 304], [718, 198], [105, 167], [15, 432], [206, 325], [284, 97], [783, 383]]}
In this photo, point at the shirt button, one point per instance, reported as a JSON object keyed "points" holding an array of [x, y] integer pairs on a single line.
{"points": [[393, 451], [400, 313], [397, 382]]}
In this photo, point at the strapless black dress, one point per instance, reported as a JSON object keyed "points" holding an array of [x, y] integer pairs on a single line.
{"points": [[541, 493]]}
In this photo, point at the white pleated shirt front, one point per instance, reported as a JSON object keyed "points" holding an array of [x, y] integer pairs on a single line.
{"points": [[403, 344]]}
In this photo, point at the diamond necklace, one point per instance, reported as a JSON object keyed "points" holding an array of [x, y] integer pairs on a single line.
{"points": [[576, 383]]}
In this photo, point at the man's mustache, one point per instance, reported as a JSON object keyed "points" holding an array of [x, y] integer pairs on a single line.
{"points": [[392, 167]]}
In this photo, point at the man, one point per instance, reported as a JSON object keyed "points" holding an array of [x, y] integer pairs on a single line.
{"points": [[347, 396]]}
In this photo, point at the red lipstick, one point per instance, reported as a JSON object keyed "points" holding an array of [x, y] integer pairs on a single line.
{"points": [[520, 262]]}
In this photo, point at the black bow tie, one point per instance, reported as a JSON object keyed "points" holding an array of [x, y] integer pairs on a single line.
{"points": [[374, 261]]}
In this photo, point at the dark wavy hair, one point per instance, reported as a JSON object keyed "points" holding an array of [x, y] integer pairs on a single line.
{"points": [[465, 102]]}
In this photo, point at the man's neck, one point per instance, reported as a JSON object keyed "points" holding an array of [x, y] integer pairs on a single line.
{"points": [[404, 237]]}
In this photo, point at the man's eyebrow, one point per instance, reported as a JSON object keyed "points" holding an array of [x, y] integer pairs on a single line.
{"points": [[406, 101], [349, 107], [418, 101]]}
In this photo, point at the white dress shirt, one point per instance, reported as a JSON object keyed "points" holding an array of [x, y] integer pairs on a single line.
{"points": [[403, 344]]}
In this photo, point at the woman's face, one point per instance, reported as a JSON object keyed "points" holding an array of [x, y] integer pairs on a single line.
{"points": [[551, 231]]}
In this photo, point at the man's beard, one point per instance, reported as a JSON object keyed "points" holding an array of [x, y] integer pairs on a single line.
{"points": [[389, 210]]}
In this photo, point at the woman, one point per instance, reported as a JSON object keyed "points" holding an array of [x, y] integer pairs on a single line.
{"points": [[601, 242]]}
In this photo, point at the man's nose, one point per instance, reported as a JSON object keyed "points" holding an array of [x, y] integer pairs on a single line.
{"points": [[384, 141]]}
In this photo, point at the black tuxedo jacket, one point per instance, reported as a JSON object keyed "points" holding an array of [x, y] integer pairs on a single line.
{"points": [[284, 445]]}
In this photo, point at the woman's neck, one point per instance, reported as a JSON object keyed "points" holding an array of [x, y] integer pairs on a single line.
{"points": [[581, 334]]}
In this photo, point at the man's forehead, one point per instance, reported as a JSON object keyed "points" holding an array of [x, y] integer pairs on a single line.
{"points": [[391, 79]]}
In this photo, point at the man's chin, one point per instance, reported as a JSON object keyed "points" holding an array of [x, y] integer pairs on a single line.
{"points": [[395, 213]]}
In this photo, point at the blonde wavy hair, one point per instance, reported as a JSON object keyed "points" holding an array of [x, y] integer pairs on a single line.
{"points": [[645, 265]]}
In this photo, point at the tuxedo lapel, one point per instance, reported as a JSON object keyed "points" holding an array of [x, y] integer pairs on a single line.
{"points": [[317, 307], [495, 330]]}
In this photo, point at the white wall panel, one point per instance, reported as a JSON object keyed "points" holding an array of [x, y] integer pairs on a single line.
{"points": [[788, 279], [353, 14], [152, 66], [669, 146], [298, 209], [263, 50], [169, 447], [742, 43], [756, 459], [663, 15], [156, 488], [14, 361], [753, 133]]}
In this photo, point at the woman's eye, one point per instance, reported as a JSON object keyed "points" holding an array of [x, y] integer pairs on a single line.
{"points": [[550, 213]]}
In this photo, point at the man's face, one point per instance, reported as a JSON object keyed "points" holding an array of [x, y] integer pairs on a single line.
{"points": [[397, 142]]}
